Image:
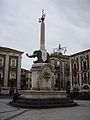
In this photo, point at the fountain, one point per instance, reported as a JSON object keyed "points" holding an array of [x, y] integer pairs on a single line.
{"points": [[42, 94]]}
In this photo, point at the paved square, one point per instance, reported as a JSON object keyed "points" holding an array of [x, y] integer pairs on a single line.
{"points": [[81, 112]]}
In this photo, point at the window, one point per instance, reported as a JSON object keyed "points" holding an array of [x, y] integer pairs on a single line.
{"points": [[85, 77], [13, 62], [1, 78], [1, 74], [12, 75], [1, 61], [77, 65], [67, 70], [87, 62], [84, 65], [12, 81]]}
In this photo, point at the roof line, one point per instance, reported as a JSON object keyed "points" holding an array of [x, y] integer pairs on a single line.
{"points": [[10, 49], [84, 51]]}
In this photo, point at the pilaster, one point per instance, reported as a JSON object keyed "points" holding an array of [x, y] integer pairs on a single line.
{"points": [[70, 74], [19, 72], [6, 71], [89, 60], [80, 80]]}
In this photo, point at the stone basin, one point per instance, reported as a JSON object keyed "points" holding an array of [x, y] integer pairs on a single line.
{"points": [[42, 99]]}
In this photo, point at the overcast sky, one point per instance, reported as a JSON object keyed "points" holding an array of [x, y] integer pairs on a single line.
{"points": [[67, 22]]}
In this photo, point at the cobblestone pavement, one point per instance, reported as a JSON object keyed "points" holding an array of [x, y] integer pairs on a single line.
{"points": [[81, 112]]}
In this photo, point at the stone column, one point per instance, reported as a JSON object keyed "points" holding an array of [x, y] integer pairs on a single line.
{"points": [[6, 71], [19, 72]]}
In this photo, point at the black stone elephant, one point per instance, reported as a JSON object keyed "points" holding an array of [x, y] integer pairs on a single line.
{"points": [[38, 54]]}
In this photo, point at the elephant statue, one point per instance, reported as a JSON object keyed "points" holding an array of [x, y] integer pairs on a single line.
{"points": [[38, 54]]}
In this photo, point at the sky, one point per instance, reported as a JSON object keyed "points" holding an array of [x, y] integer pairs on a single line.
{"points": [[67, 22]]}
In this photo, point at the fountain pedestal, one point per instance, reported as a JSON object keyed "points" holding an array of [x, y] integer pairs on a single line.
{"points": [[42, 99], [42, 76], [42, 94]]}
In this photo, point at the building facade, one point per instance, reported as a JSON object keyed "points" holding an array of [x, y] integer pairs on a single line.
{"points": [[80, 68], [61, 66], [10, 69], [75, 68], [26, 82]]}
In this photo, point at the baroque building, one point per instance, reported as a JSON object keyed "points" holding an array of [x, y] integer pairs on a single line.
{"points": [[80, 68], [10, 69], [75, 68], [61, 66]]}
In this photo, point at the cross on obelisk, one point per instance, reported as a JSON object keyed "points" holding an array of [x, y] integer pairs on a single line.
{"points": [[42, 38]]}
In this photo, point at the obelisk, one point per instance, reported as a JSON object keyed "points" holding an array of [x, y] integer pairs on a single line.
{"points": [[42, 37]]}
